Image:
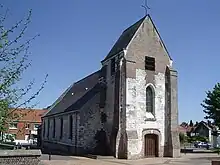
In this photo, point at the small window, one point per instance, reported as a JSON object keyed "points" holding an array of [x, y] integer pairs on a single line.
{"points": [[13, 125], [36, 126], [149, 100], [44, 129], [48, 128], [150, 63], [112, 66], [54, 127], [61, 128], [27, 125], [70, 127]]}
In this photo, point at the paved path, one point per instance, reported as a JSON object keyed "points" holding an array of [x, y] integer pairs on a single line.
{"points": [[57, 157], [189, 159]]}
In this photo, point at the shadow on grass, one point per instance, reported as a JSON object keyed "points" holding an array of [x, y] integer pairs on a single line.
{"points": [[207, 158]]}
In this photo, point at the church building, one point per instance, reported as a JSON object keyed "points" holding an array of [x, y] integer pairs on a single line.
{"points": [[127, 109]]}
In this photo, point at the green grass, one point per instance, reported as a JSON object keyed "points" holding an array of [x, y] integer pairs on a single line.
{"points": [[10, 143], [6, 147], [216, 150]]}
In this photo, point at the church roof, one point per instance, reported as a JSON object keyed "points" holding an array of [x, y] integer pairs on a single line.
{"points": [[76, 95], [124, 39], [86, 97]]}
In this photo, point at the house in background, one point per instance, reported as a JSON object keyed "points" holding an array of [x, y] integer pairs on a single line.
{"points": [[206, 129], [182, 129], [25, 124]]}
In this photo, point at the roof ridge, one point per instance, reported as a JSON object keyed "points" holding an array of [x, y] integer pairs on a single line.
{"points": [[125, 38], [76, 82], [140, 20]]}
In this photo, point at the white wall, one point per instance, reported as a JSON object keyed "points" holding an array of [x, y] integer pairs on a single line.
{"points": [[136, 108]]}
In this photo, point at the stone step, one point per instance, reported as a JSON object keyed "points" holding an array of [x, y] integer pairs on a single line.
{"points": [[106, 157], [99, 157]]}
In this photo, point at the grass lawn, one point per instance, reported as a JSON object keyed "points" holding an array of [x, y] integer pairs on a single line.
{"points": [[5, 146]]}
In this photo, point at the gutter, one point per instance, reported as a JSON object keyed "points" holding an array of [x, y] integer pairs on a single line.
{"points": [[59, 114], [106, 59]]}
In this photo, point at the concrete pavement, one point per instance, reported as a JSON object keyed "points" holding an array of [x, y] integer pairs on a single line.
{"points": [[188, 159]]}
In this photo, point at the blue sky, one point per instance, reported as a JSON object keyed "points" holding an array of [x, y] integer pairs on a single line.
{"points": [[77, 34]]}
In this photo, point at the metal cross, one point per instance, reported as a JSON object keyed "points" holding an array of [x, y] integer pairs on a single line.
{"points": [[146, 7]]}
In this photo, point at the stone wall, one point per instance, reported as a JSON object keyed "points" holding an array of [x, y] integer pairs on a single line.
{"points": [[122, 140], [20, 157], [109, 106], [138, 119], [174, 146], [146, 42], [86, 123], [112, 102], [90, 123], [65, 138]]}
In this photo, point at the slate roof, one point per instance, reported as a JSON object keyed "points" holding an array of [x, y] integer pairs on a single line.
{"points": [[76, 95], [79, 103], [125, 38]]}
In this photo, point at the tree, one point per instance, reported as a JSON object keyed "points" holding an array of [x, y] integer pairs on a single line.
{"points": [[182, 138], [191, 123], [197, 123], [211, 104], [184, 124], [14, 60]]}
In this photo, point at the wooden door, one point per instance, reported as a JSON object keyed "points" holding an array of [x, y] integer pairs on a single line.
{"points": [[151, 145]]}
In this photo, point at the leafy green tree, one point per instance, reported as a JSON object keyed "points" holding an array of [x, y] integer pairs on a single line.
{"points": [[211, 104], [182, 137], [184, 124], [191, 123], [14, 60]]}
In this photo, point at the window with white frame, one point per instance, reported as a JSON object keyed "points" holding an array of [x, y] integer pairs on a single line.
{"points": [[27, 126], [36, 126], [13, 125]]}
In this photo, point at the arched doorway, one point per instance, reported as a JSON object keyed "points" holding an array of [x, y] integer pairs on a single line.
{"points": [[151, 145]]}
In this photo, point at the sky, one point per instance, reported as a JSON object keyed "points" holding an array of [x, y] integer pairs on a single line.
{"points": [[75, 35]]}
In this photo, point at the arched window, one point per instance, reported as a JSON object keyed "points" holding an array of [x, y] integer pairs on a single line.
{"points": [[149, 99]]}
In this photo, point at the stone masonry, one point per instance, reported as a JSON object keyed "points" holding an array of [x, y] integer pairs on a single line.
{"points": [[20, 157]]}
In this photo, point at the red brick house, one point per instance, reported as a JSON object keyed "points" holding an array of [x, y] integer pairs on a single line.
{"points": [[26, 123], [182, 129]]}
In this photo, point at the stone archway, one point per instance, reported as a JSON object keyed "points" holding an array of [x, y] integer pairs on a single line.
{"points": [[153, 137], [151, 145]]}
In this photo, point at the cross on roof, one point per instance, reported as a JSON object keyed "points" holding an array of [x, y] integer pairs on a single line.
{"points": [[146, 7]]}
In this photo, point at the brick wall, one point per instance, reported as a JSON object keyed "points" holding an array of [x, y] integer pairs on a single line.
{"points": [[21, 130], [25, 117]]}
